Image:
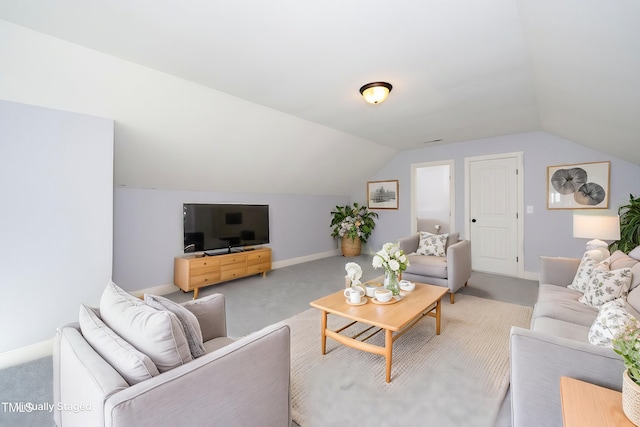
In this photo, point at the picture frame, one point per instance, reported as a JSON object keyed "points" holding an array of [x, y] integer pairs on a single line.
{"points": [[578, 186], [382, 194]]}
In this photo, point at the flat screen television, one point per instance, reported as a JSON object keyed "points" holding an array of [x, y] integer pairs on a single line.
{"points": [[213, 227]]}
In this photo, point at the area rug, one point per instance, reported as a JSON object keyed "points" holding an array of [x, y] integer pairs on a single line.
{"points": [[459, 377]]}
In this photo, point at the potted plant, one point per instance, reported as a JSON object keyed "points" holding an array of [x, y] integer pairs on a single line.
{"points": [[354, 225], [629, 226], [627, 345]]}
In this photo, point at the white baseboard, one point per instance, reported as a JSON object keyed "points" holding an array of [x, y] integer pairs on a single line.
{"points": [[293, 261], [26, 354]]}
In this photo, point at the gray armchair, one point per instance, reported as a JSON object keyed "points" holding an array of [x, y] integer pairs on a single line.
{"points": [[237, 382], [452, 270]]}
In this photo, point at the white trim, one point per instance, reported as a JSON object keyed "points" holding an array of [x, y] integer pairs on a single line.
{"points": [[520, 177], [26, 354], [452, 192], [303, 259]]}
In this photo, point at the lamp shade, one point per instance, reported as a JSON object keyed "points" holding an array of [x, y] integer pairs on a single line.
{"points": [[596, 227], [375, 93]]}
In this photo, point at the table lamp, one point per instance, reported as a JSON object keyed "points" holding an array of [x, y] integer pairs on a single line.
{"points": [[598, 228]]}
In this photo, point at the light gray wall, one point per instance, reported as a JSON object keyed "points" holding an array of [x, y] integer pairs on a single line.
{"points": [[56, 232], [547, 232], [148, 229]]}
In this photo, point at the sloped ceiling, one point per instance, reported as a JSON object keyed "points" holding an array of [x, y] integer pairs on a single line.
{"points": [[460, 70]]}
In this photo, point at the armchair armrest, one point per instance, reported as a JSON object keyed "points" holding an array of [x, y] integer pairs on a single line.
{"points": [[458, 264], [210, 312], [558, 270], [225, 387], [409, 244], [539, 360]]}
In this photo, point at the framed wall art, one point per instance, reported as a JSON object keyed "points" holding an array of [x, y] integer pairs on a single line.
{"points": [[382, 194], [579, 186]]}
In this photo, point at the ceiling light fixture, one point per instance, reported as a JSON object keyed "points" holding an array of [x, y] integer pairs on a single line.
{"points": [[376, 92]]}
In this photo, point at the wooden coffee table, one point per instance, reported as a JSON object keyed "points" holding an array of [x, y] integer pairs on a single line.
{"points": [[394, 319]]}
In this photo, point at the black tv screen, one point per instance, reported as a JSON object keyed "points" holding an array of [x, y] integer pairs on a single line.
{"points": [[209, 227]]}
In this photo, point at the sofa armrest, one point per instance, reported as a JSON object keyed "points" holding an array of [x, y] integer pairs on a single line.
{"points": [[409, 244], [244, 383], [558, 271], [210, 312], [539, 360], [458, 264]]}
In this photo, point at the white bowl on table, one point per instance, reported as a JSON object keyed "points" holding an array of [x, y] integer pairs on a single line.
{"points": [[406, 285]]}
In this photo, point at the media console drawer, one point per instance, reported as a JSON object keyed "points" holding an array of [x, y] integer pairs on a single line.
{"points": [[191, 272]]}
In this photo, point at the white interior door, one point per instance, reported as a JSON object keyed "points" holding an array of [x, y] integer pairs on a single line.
{"points": [[493, 193]]}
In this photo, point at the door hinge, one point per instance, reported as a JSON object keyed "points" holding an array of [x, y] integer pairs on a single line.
{"points": [[517, 259]]}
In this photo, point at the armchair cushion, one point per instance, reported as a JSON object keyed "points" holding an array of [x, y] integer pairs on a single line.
{"points": [[432, 244], [430, 266], [210, 312], [158, 334], [186, 318], [133, 365]]}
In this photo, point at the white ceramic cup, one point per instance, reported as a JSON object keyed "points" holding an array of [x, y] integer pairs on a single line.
{"points": [[371, 290], [383, 295], [354, 295]]}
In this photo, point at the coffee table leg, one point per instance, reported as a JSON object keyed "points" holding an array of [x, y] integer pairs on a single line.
{"points": [[323, 335], [438, 310], [388, 347]]}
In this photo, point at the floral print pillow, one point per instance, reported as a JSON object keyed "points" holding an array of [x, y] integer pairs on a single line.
{"points": [[432, 244], [611, 321], [605, 286], [587, 266]]}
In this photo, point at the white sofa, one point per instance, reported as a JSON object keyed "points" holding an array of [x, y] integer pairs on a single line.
{"points": [[557, 344]]}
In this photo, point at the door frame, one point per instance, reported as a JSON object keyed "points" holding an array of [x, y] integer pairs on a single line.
{"points": [[520, 205], [414, 190]]}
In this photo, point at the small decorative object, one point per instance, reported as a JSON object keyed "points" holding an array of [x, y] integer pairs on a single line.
{"points": [[382, 194], [354, 273], [579, 186], [394, 262], [627, 345], [354, 225]]}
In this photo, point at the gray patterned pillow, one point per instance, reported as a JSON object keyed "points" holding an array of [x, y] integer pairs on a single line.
{"points": [[605, 286], [586, 267], [611, 321], [187, 319], [432, 244]]}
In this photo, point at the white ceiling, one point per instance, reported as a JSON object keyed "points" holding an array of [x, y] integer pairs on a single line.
{"points": [[460, 69]]}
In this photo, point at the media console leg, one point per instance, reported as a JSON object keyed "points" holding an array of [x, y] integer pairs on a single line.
{"points": [[195, 293]]}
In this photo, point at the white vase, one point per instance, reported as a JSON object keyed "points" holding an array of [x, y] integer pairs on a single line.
{"points": [[630, 398]]}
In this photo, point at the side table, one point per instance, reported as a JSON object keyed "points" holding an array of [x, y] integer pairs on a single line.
{"points": [[586, 405]]}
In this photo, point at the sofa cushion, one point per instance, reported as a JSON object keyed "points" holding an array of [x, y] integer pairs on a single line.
{"points": [[581, 279], [133, 365], [187, 319], [432, 244], [612, 319], [430, 266], [635, 253], [158, 334], [606, 286], [451, 239], [558, 302], [561, 328], [621, 260]]}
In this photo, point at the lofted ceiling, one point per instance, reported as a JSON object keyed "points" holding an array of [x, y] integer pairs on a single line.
{"points": [[460, 70]]}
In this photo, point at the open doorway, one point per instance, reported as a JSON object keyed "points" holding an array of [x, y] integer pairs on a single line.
{"points": [[432, 198]]}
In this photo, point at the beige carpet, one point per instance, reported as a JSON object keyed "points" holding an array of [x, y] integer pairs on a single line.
{"points": [[459, 377]]}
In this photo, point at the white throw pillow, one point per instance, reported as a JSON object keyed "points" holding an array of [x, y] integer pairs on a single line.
{"points": [[635, 253], [581, 279], [605, 286], [187, 319], [432, 244], [611, 321], [158, 334], [133, 365]]}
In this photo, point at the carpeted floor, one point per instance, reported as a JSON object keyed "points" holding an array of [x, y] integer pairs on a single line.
{"points": [[459, 377], [253, 303]]}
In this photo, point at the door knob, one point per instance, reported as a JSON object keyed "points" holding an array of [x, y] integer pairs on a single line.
{"points": [[473, 220]]}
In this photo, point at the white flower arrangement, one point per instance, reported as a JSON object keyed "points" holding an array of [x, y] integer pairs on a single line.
{"points": [[391, 258], [354, 273]]}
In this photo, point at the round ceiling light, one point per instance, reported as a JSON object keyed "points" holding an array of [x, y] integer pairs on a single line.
{"points": [[376, 92]]}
